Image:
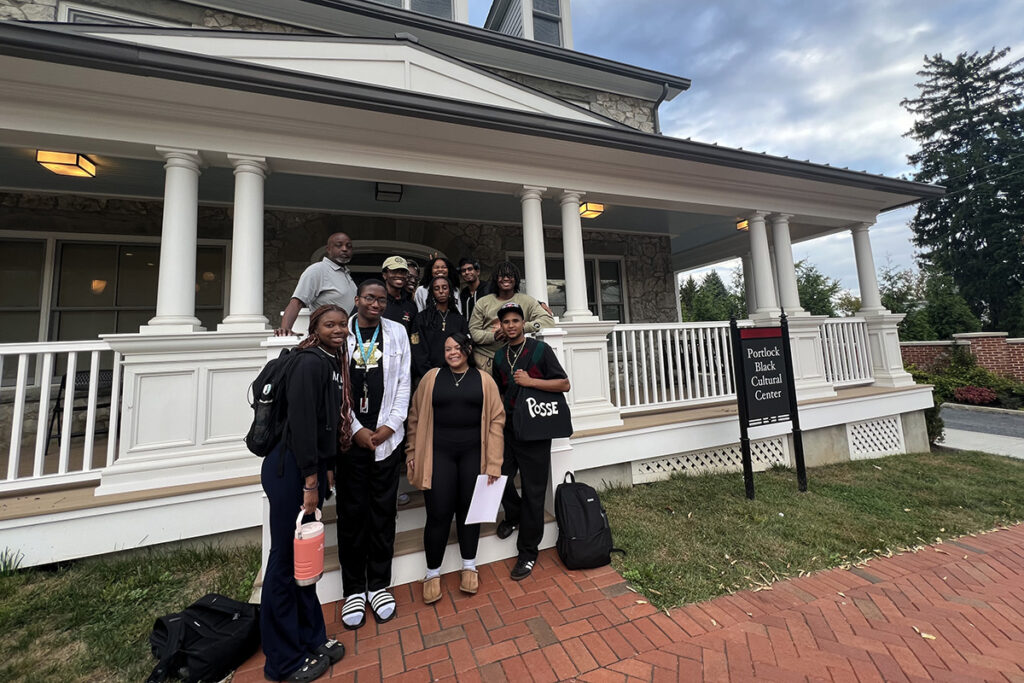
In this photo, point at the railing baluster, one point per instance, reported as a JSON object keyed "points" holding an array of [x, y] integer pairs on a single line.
{"points": [[661, 366], [43, 422], [869, 373], [848, 354], [720, 361], [18, 419], [69, 404], [680, 380], [727, 360], [643, 365], [686, 364], [834, 352], [90, 413], [635, 365], [115, 410], [670, 380], [615, 366], [703, 363]]}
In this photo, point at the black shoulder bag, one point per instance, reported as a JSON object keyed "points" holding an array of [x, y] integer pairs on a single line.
{"points": [[541, 415]]}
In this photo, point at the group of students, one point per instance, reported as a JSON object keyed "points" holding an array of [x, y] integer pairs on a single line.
{"points": [[353, 420]]}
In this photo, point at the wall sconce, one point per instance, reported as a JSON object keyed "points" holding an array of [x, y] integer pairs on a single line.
{"points": [[98, 286], [743, 224], [389, 192], [591, 209], [67, 163]]}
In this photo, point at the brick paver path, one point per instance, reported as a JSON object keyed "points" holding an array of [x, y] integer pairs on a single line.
{"points": [[950, 612]]}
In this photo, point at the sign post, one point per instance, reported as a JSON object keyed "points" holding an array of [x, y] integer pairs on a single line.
{"points": [[765, 393]]}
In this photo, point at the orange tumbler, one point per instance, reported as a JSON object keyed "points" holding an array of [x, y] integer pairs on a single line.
{"points": [[309, 550]]}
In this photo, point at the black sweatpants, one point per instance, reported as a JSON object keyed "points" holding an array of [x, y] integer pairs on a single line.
{"points": [[451, 489], [367, 508], [532, 460], [291, 621]]}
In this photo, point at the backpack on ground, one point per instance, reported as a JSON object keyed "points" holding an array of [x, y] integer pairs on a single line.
{"points": [[213, 636], [268, 405], [584, 536]]}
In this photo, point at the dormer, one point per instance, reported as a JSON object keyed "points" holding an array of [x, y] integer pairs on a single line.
{"points": [[546, 21], [452, 10]]}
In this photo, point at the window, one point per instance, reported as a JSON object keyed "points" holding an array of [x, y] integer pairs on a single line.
{"points": [[103, 288], [547, 23], [605, 291], [435, 8], [21, 262]]}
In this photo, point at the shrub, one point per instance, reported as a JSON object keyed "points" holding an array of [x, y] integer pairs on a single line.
{"points": [[978, 396]]}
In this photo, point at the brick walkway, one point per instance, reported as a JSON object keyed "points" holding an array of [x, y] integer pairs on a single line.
{"points": [[951, 612]]}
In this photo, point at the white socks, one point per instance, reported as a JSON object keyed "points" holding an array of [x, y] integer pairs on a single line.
{"points": [[385, 610], [469, 564], [433, 573], [357, 609]]}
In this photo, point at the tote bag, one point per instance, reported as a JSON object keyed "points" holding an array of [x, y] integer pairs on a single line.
{"points": [[541, 415]]}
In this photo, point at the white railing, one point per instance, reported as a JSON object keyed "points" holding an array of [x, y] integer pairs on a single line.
{"points": [[666, 365], [63, 387], [844, 343]]}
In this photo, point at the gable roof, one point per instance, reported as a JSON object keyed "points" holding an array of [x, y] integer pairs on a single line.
{"points": [[398, 63]]}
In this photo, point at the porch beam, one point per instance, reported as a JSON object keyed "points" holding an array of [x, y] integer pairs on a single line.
{"points": [[761, 264], [533, 243], [789, 294], [246, 305], [176, 282], [572, 250]]}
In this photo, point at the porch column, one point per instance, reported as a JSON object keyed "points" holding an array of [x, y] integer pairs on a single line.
{"points": [[761, 264], [246, 305], [176, 282], [748, 284], [533, 243], [572, 250], [883, 333], [789, 294], [870, 299]]}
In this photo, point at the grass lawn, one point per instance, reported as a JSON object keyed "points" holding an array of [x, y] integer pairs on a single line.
{"points": [[90, 620], [693, 538]]}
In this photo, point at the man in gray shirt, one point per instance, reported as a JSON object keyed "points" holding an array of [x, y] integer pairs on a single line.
{"points": [[326, 282]]}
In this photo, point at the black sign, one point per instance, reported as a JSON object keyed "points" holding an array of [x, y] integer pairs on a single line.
{"points": [[765, 380]]}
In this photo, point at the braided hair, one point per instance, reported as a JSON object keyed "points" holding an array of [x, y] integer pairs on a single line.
{"points": [[341, 355], [427, 276], [505, 269]]}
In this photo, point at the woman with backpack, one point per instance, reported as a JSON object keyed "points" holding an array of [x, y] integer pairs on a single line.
{"points": [[456, 424], [316, 423], [433, 326]]}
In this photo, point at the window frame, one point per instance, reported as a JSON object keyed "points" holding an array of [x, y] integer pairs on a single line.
{"points": [[557, 18], [407, 6], [594, 260]]}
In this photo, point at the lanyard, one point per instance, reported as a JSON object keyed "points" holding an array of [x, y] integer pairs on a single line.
{"points": [[366, 355]]}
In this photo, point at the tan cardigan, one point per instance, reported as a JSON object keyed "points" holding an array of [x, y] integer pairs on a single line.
{"points": [[420, 434]]}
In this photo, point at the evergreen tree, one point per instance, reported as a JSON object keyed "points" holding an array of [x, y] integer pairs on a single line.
{"points": [[687, 291], [816, 289], [847, 303], [970, 126], [712, 300]]}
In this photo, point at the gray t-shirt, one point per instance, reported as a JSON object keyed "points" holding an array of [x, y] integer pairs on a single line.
{"points": [[326, 283]]}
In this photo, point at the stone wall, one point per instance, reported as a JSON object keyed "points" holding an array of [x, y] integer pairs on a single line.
{"points": [[292, 237], [992, 350], [175, 13], [632, 111]]}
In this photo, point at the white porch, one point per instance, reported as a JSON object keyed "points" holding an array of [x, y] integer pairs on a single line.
{"points": [[241, 131]]}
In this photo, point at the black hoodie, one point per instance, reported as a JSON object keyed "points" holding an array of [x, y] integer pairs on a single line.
{"points": [[313, 409]]}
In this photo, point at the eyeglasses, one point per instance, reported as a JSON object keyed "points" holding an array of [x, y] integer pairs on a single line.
{"points": [[371, 299], [467, 269]]}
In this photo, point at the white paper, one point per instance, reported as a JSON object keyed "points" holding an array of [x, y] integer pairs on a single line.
{"points": [[486, 499]]}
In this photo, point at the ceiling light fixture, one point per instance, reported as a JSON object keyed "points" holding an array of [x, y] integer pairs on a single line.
{"points": [[743, 224], [389, 192], [67, 163], [591, 209]]}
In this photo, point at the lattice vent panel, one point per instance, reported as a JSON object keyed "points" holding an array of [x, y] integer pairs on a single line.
{"points": [[763, 453], [875, 438]]}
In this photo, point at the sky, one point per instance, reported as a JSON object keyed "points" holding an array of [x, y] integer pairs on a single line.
{"points": [[812, 80]]}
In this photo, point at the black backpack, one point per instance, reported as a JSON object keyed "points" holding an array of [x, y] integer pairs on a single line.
{"points": [[584, 536], [268, 405], [213, 636]]}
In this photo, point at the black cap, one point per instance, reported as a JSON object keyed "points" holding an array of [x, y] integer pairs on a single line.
{"points": [[511, 307]]}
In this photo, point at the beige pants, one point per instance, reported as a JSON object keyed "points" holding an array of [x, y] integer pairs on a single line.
{"points": [[483, 362]]}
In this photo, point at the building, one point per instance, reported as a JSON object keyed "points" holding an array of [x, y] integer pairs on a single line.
{"points": [[218, 143]]}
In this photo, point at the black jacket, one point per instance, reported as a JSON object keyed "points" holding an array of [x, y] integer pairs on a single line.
{"points": [[469, 301], [427, 340], [313, 409], [402, 311]]}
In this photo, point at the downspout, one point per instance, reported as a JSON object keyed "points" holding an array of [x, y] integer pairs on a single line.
{"points": [[657, 119]]}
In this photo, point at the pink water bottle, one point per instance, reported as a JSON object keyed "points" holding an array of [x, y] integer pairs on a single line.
{"points": [[309, 550]]}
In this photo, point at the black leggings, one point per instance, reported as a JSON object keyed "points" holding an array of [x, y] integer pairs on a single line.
{"points": [[451, 490]]}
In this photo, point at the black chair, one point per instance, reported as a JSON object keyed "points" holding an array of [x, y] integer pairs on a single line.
{"points": [[104, 379]]}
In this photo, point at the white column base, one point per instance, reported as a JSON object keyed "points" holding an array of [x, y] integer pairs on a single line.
{"points": [[244, 323], [884, 340], [579, 316], [585, 359], [184, 409], [172, 325], [808, 357]]}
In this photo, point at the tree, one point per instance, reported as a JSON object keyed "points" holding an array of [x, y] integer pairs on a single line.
{"points": [[687, 291], [933, 306], [713, 301], [816, 289], [970, 127], [947, 311], [847, 303]]}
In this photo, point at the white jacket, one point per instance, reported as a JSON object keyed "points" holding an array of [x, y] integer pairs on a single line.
{"points": [[394, 407]]}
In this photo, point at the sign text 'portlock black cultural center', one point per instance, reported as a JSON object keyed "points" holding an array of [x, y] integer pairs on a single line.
{"points": [[765, 393]]}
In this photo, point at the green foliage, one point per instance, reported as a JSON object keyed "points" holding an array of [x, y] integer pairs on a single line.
{"points": [[713, 301], [847, 304], [969, 122], [947, 311], [933, 306], [693, 538], [963, 371], [817, 290], [687, 292], [90, 620], [10, 561]]}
